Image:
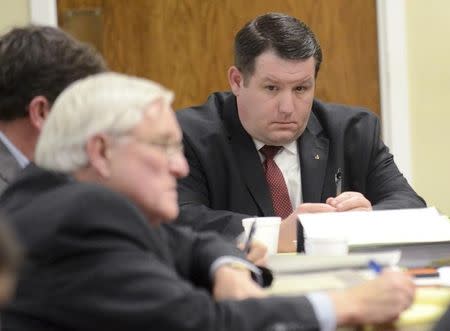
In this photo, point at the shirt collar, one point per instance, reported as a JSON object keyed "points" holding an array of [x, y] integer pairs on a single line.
{"points": [[15, 152], [291, 147]]}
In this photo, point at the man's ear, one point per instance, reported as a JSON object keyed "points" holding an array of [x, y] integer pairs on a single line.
{"points": [[235, 79], [38, 110], [98, 149]]}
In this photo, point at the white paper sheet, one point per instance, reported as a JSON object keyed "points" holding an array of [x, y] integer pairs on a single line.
{"points": [[300, 263], [423, 225]]}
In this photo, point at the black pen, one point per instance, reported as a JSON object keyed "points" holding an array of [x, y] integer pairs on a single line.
{"points": [[250, 237], [338, 181]]}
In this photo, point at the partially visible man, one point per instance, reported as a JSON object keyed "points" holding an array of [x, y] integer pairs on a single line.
{"points": [[100, 254], [36, 64], [269, 148]]}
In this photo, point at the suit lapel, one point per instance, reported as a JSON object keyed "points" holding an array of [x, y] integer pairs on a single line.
{"points": [[313, 149], [249, 162]]}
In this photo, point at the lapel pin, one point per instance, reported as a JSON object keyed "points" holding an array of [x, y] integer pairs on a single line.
{"points": [[317, 157]]}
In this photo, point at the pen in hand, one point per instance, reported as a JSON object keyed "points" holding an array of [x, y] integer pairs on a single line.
{"points": [[248, 243], [338, 181], [375, 267]]}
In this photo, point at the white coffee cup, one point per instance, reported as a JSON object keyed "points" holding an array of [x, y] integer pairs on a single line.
{"points": [[266, 231], [329, 246]]}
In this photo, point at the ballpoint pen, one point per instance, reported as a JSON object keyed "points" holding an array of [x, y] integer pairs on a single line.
{"points": [[375, 267], [338, 181], [250, 237]]}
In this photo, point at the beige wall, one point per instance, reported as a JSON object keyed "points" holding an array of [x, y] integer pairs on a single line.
{"points": [[12, 13], [428, 29]]}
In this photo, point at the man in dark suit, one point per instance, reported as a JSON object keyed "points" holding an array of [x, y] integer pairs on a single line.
{"points": [[36, 64], [100, 255], [330, 157]]}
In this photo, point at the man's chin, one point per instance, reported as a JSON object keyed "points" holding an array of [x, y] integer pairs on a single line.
{"points": [[282, 139]]}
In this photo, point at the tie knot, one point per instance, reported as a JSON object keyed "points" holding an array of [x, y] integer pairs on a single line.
{"points": [[269, 151]]}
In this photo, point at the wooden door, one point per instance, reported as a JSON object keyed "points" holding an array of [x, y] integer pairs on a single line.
{"points": [[187, 44]]}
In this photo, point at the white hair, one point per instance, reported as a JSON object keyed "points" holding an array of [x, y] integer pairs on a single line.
{"points": [[108, 103]]}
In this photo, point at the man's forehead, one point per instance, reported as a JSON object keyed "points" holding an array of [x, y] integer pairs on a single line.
{"points": [[159, 123], [270, 66]]}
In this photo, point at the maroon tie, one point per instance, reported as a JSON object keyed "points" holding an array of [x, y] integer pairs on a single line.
{"points": [[277, 186]]}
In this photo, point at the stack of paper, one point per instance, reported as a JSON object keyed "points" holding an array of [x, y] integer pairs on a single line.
{"points": [[284, 263], [384, 227]]}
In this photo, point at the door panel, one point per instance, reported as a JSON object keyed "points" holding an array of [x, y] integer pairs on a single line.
{"points": [[187, 44]]}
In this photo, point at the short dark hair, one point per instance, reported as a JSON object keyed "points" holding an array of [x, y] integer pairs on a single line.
{"points": [[289, 37], [40, 60]]}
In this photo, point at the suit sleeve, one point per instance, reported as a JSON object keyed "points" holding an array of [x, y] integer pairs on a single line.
{"points": [[195, 252], [194, 201], [386, 186], [444, 323], [108, 273]]}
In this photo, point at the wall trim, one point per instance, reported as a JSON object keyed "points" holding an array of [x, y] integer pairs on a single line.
{"points": [[393, 71]]}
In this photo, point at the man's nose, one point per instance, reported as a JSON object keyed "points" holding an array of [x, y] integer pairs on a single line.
{"points": [[286, 102], [178, 165]]}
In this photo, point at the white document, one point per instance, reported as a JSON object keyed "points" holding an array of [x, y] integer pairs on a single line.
{"points": [[422, 225], [300, 263]]}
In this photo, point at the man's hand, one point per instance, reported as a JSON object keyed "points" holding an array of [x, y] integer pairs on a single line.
{"points": [[287, 241], [377, 301], [350, 201], [236, 284], [257, 254]]}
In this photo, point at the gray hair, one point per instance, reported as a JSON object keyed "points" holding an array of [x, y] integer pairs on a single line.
{"points": [[108, 103]]}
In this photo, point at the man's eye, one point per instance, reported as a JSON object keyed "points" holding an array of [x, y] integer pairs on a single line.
{"points": [[301, 88], [271, 88]]}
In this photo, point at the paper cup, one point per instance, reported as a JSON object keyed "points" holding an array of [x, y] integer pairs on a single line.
{"points": [[267, 231], [326, 246]]}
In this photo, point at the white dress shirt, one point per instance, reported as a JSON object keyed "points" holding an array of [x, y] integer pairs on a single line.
{"points": [[15, 152]]}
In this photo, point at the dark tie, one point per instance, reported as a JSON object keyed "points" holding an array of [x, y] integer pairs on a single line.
{"points": [[275, 180]]}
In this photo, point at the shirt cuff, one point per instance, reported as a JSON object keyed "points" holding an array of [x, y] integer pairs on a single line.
{"points": [[233, 260], [324, 309]]}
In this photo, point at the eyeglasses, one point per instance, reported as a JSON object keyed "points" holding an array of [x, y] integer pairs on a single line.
{"points": [[170, 149]]}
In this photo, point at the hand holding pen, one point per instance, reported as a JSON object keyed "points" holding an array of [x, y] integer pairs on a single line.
{"points": [[375, 267], [347, 200], [256, 252], [251, 233]]}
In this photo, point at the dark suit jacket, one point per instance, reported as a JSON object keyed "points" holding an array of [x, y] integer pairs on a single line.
{"points": [[226, 181], [9, 167], [94, 263], [444, 323]]}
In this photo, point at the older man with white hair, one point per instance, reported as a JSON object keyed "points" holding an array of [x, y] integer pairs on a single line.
{"points": [[100, 256]]}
